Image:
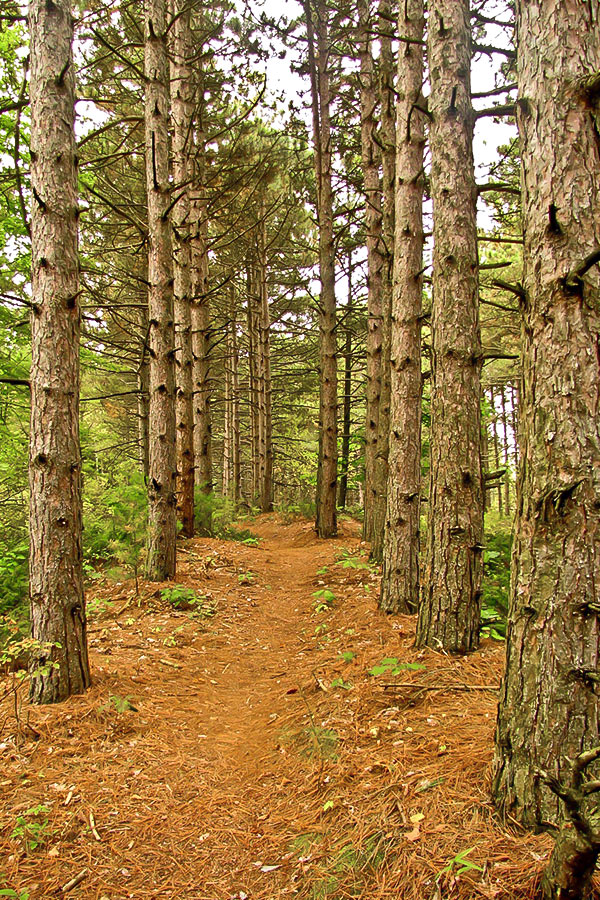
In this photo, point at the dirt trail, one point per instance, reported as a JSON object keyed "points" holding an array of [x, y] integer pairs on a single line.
{"points": [[262, 760]]}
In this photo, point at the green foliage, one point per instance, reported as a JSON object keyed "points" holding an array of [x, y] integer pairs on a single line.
{"points": [[391, 666], [349, 560], [460, 864], [324, 599], [181, 597], [120, 704], [32, 828], [115, 522], [496, 584]]}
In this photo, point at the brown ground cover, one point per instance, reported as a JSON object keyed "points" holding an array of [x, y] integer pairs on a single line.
{"points": [[261, 759]]}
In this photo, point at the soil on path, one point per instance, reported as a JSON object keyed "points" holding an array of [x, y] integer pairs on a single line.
{"points": [[261, 758]]}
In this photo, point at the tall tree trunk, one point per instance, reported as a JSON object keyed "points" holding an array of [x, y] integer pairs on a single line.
{"points": [[266, 450], [60, 666], [505, 451], [201, 325], [236, 470], [326, 518], [370, 160], [400, 579], [450, 610], [346, 409], [182, 104], [227, 417], [143, 373], [549, 708], [388, 165], [496, 444], [162, 514], [253, 381]]}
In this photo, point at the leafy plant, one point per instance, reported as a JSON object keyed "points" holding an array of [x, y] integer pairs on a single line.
{"points": [[120, 704], [246, 578], [496, 585], [460, 864], [181, 598], [339, 682], [32, 828], [349, 560], [391, 666], [348, 655], [324, 600]]}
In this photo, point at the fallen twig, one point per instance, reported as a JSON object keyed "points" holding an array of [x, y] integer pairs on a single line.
{"points": [[74, 881]]}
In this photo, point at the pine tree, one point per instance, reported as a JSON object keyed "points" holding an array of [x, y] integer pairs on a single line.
{"points": [[60, 666]]}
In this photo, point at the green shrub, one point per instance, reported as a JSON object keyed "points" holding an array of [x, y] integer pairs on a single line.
{"points": [[115, 524], [496, 584]]}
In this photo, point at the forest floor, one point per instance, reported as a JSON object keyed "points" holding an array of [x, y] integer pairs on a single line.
{"points": [[261, 758]]}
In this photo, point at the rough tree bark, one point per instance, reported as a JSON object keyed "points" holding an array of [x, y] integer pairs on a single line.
{"points": [[162, 514], [400, 577], [264, 334], [253, 379], [549, 709], [346, 408], [387, 93], [201, 324], [326, 518], [60, 666], [370, 162], [450, 608], [182, 113]]}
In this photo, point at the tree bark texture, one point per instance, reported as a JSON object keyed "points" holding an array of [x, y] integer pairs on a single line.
{"points": [[346, 407], [162, 514], [60, 666], [182, 115], [264, 331], [387, 95], [450, 609], [400, 576], [253, 379], [370, 161], [201, 315], [326, 518], [549, 701]]}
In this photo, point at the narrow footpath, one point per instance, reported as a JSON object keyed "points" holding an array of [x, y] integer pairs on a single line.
{"points": [[293, 743]]}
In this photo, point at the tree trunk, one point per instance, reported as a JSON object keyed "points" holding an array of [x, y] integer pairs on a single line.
{"points": [[345, 455], [370, 160], [253, 381], [201, 327], [400, 579], [60, 666], [388, 165], [326, 519], [162, 514], [450, 610], [505, 451], [143, 374], [236, 469], [227, 479], [182, 103], [264, 331], [549, 703]]}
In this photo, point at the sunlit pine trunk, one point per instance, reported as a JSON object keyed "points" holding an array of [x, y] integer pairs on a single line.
{"points": [[347, 399], [60, 662], [162, 514], [182, 98], [326, 517], [549, 708], [387, 94], [450, 608], [201, 314], [400, 576], [370, 164], [264, 333], [253, 380]]}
